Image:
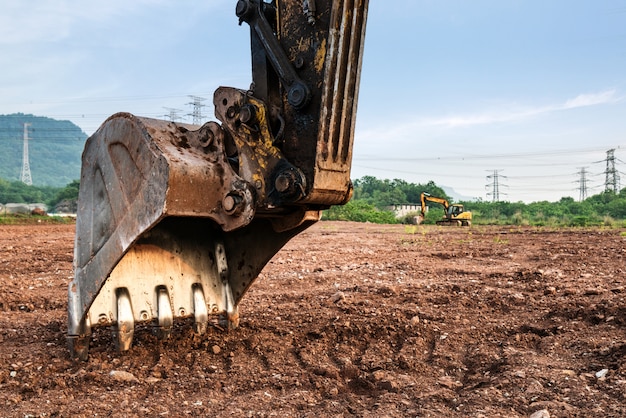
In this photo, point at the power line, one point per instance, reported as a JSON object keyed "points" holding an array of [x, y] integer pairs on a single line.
{"points": [[483, 156]]}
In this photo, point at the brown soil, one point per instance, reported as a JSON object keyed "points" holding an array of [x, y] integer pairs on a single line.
{"points": [[347, 320]]}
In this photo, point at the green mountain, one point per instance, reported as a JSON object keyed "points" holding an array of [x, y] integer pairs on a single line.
{"points": [[54, 148]]}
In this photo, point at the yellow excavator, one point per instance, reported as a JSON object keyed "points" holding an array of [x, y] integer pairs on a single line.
{"points": [[177, 220], [453, 215]]}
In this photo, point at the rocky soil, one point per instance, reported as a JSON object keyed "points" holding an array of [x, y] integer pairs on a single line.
{"points": [[347, 320]]}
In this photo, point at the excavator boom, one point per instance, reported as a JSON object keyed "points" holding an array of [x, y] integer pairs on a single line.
{"points": [[177, 221]]}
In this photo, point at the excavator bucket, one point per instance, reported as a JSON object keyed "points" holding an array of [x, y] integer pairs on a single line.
{"points": [[177, 221]]}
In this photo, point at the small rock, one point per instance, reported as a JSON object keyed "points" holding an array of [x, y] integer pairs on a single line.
{"points": [[533, 387], [520, 373], [350, 371], [122, 376], [338, 297], [388, 291], [448, 382], [386, 381], [216, 349], [415, 320], [517, 298], [602, 373], [550, 290], [542, 413]]}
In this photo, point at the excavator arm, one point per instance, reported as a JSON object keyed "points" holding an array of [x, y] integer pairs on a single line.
{"points": [[425, 197], [177, 221]]}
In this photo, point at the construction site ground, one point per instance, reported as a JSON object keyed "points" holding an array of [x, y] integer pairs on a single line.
{"points": [[349, 319]]}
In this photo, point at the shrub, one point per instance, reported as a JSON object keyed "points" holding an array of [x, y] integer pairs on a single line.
{"points": [[359, 211]]}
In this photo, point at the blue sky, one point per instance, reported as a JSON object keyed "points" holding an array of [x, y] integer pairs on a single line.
{"points": [[451, 91]]}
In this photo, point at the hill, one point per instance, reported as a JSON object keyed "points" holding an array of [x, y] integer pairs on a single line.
{"points": [[457, 197], [54, 148]]}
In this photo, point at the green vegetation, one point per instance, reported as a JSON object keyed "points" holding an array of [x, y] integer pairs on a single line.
{"points": [[54, 148], [20, 219], [18, 192], [604, 209], [383, 193], [360, 211], [68, 193], [372, 197]]}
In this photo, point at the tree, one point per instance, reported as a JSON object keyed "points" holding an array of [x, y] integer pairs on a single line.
{"points": [[69, 192]]}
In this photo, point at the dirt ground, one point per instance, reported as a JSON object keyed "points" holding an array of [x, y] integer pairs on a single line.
{"points": [[348, 319]]}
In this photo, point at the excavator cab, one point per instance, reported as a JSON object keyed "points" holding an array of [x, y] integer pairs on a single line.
{"points": [[455, 210], [177, 220]]}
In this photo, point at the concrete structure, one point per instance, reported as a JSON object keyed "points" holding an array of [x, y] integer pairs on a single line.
{"points": [[403, 210]]}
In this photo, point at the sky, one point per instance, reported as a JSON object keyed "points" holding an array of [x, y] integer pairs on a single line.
{"points": [[516, 99]]}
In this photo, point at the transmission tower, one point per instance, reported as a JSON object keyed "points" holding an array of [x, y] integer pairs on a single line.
{"points": [[495, 185], [583, 183], [611, 182], [197, 106], [173, 114], [25, 177]]}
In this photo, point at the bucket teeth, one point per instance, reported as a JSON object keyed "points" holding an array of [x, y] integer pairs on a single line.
{"points": [[79, 330], [165, 314], [125, 327], [201, 314], [230, 318], [79, 347]]}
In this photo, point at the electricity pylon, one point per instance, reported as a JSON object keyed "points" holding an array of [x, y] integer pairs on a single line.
{"points": [[26, 177]]}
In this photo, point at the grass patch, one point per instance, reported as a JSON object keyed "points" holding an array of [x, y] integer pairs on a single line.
{"points": [[22, 219]]}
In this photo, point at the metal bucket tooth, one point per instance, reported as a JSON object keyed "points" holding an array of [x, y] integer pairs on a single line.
{"points": [[79, 329], [124, 328], [165, 316], [200, 311], [230, 317]]}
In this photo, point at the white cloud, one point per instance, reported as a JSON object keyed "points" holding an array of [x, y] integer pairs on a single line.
{"points": [[433, 129], [515, 113], [592, 99]]}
